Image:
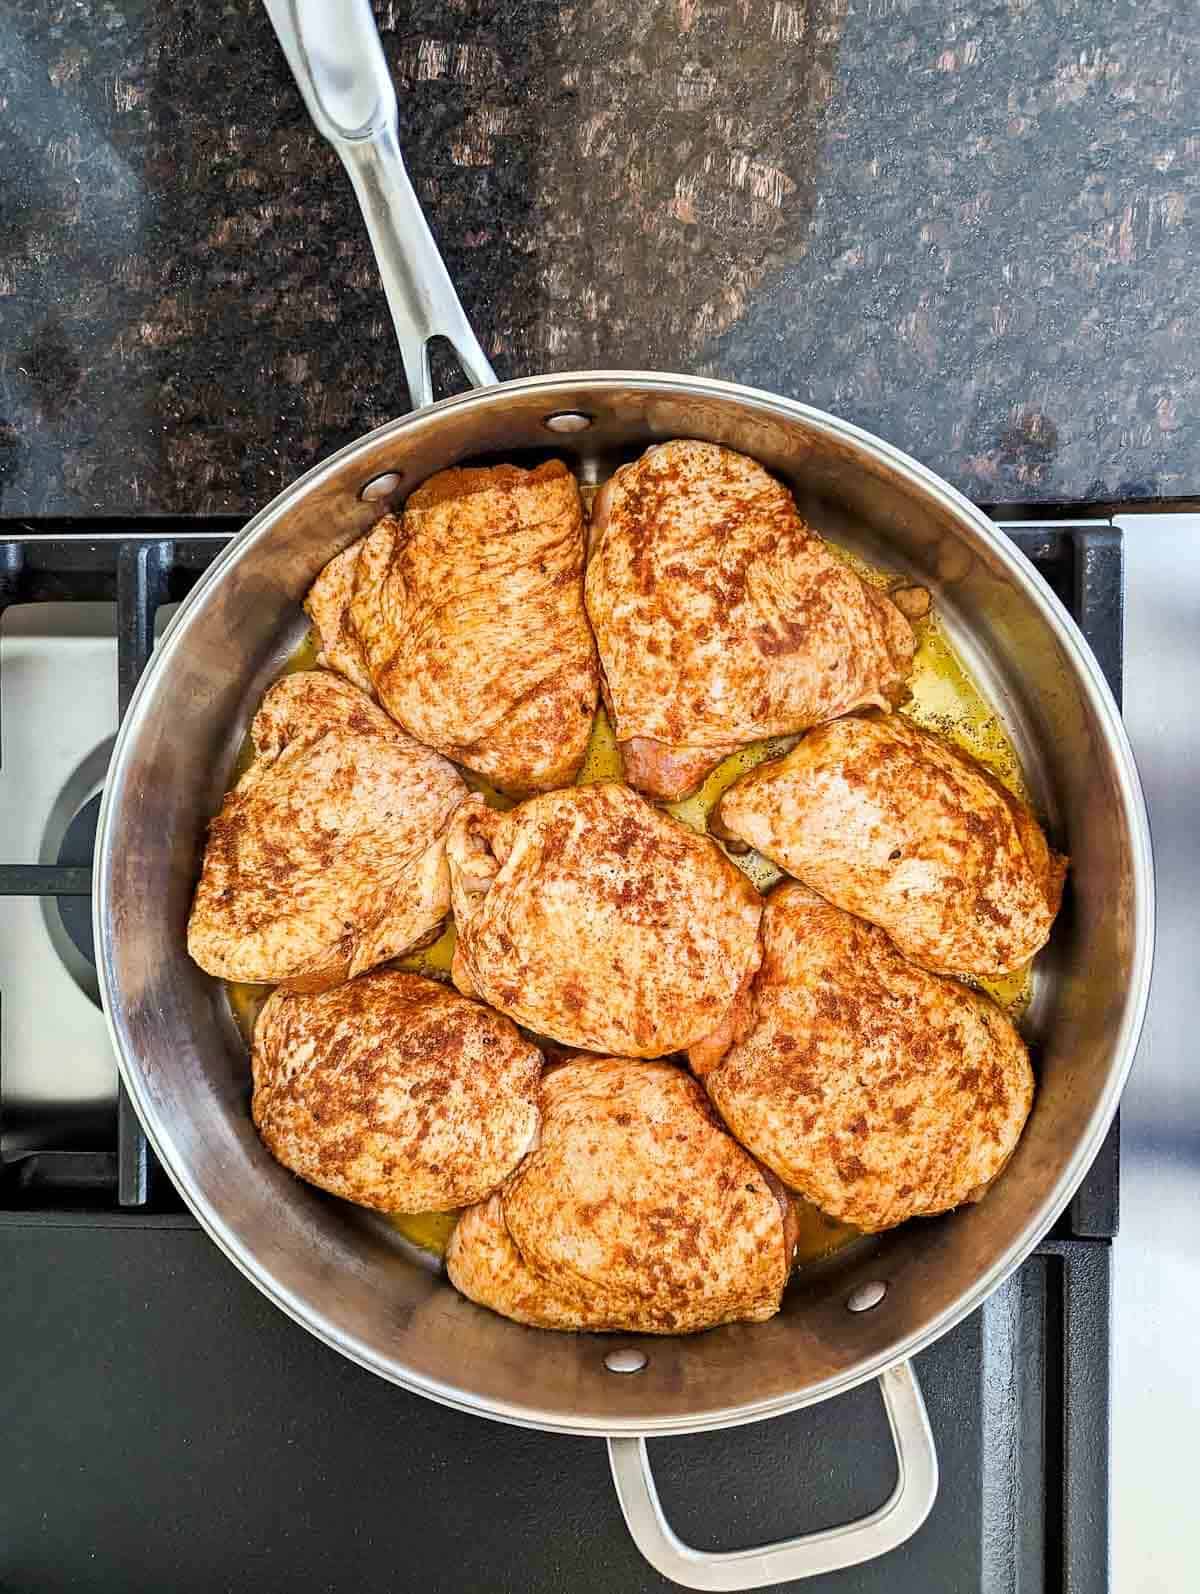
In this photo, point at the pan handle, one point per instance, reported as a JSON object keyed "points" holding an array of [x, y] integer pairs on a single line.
{"points": [[337, 60], [812, 1554]]}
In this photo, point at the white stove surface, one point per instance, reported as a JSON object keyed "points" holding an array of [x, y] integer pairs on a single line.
{"points": [[58, 721], [1156, 1384], [58, 717]]}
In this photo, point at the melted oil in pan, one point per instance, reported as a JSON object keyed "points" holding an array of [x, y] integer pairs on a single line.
{"points": [[246, 1002], [601, 756], [818, 1237], [428, 1231], [696, 809], [432, 961], [944, 698], [498, 800]]}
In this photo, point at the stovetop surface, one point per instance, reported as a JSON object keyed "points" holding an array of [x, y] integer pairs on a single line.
{"points": [[180, 1432], [169, 1429]]}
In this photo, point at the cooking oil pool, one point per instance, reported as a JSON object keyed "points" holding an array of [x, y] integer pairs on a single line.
{"points": [[818, 1237]]}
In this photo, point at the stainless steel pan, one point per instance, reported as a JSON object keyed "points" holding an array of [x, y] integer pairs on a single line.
{"points": [[347, 1277]]}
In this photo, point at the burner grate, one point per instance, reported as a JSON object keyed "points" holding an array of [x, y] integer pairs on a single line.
{"points": [[140, 568]]}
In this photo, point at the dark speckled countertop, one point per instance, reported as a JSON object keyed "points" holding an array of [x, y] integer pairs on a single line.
{"points": [[968, 226]]}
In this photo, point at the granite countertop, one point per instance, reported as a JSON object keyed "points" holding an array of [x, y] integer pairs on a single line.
{"points": [[967, 226]]}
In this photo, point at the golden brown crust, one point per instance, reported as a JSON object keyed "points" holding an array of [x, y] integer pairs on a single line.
{"points": [[894, 824], [875, 1089], [466, 616], [721, 618], [394, 1092], [593, 918], [486, 1267], [636, 1213], [704, 1053], [464, 481], [668, 773], [328, 607], [328, 856]]}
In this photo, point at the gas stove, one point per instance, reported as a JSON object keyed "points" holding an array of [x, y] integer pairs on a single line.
{"points": [[159, 1395]]}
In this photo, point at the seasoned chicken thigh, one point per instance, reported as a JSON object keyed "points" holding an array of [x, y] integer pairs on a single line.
{"points": [[636, 1213], [328, 856], [894, 824], [876, 1090], [465, 617], [722, 619], [394, 1092], [598, 921]]}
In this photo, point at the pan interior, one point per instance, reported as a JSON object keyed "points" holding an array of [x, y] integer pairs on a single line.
{"points": [[350, 1278]]}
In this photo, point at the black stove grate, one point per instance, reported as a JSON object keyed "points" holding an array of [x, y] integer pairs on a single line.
{"points": [[138, 569], [142, 567]]}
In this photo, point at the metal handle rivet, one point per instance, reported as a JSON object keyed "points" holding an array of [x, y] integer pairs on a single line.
{"points": [[866, 1296], [381, 486], [625, 1361], [568, 421]]}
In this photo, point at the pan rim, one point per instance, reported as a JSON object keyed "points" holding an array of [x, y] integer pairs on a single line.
{"points": [[1124, 1045]]}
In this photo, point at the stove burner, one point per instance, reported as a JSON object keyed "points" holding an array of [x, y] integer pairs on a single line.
{"points": [[69, 838], [77, 846]]}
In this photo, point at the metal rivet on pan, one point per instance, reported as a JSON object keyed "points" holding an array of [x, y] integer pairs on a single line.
{"points": [[381, 486], [866, 1296], [568, 421], [625, 1361]]}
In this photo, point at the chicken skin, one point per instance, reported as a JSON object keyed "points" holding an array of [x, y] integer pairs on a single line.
{"points": [[465, 618], [394, 1092], [598, 921], [328, 856], [721, 618], [874, 1089], [894, 824], [636, 1213]]}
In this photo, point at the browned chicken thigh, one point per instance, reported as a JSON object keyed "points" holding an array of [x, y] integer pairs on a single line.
{"points": [[636, 1213], [328, 856], [600, 922], [721, 618], [894, 824], [875, 1089], [465, 617], [394, 1092]]}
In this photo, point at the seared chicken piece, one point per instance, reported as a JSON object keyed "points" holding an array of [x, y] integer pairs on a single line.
{"points": [[896, 825], [596, 920], [394, 1092], [876, 1090], [465, 617], [722, 619], [328, 856], [636, 1213], [330, 608]]}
